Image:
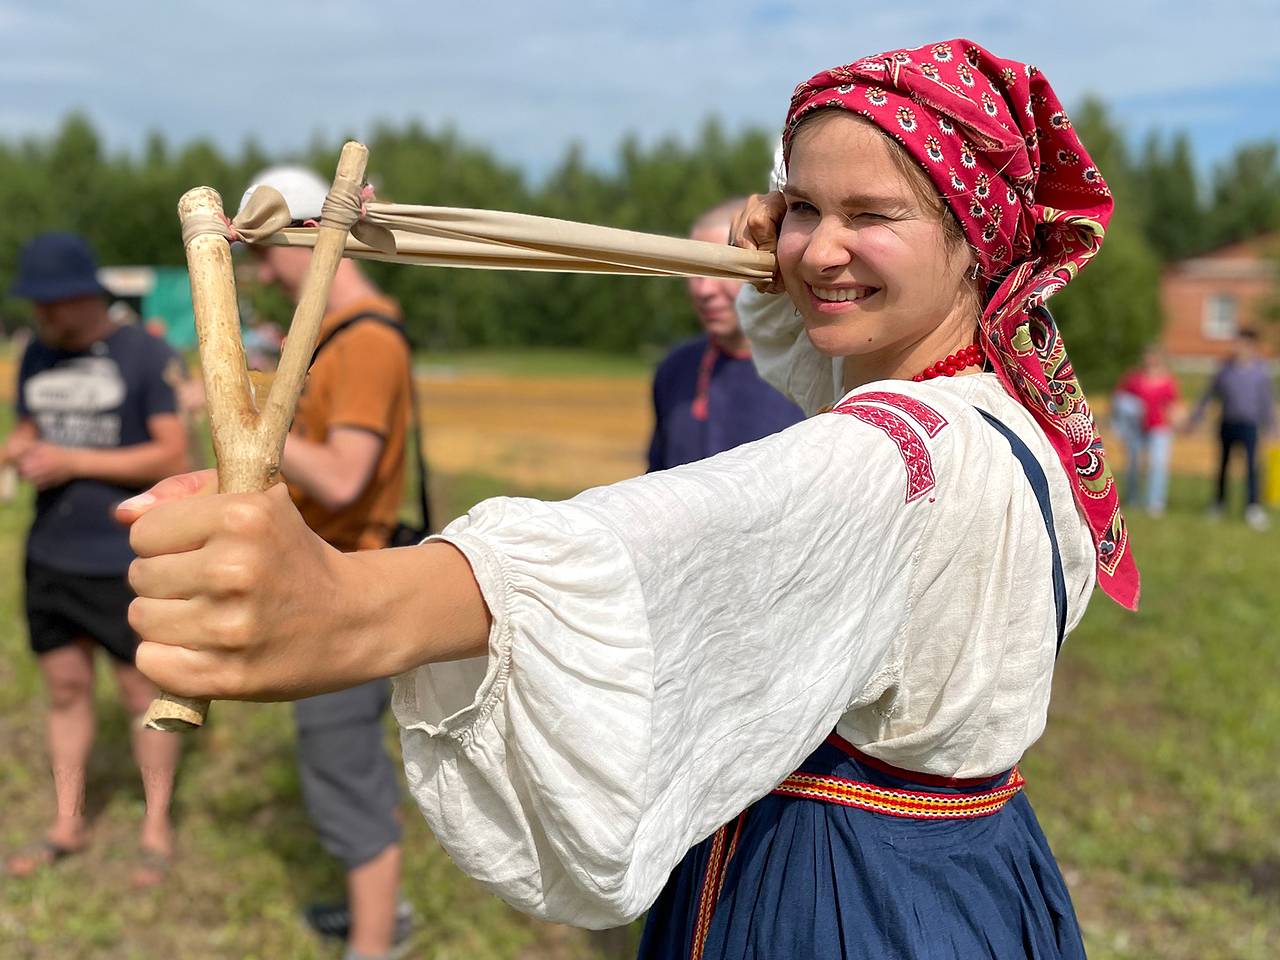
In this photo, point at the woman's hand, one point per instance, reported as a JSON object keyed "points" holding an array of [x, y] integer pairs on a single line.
{"points": [[237, 598], [756, 228]]}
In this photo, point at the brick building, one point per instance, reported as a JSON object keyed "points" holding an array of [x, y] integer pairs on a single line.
{"points": [[1207, 299]]}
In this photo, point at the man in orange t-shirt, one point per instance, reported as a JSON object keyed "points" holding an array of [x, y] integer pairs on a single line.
{"points": [[344, 458], [344, 462]]}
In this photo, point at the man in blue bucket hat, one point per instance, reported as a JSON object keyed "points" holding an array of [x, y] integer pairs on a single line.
{"points": [[97, 421]]}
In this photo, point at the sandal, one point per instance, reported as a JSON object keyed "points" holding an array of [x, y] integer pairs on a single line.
{"points": [[151, 868], [38, 856]]}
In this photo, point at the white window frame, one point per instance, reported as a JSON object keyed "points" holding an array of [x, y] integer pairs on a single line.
{"points": [[1221, 320]]}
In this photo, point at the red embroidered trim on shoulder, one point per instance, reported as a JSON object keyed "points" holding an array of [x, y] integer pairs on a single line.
{"points": [[919, 411], [915, 455]]}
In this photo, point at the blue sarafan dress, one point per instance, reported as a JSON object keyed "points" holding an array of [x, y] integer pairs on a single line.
{"points": [[853, 858]]}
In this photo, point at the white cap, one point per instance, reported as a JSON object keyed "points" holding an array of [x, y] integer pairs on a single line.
{"points": [[778, 175], [303, 189]]}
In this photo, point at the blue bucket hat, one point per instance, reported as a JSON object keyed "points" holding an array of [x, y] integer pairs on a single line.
{"points": [[56, 266]]}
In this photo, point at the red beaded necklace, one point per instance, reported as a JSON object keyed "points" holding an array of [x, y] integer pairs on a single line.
{"points": [[962, 359]]}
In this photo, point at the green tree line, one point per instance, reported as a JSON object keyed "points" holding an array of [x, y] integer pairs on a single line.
{"points": [[124, 203]]}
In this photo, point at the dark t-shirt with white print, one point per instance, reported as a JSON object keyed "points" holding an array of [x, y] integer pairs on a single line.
{"points": [[100, 398]]}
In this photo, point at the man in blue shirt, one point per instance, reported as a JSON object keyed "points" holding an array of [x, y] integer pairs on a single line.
{"points": [[707, 396], [1243, 389], [97, 422]]}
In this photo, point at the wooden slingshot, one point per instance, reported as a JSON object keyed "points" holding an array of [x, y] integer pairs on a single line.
{"points": [[246, 442]]}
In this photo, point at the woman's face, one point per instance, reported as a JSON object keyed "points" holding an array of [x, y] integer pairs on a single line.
{"points": [[866, 262]]}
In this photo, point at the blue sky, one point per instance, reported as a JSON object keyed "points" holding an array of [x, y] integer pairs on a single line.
{"points": [[527, 78]]}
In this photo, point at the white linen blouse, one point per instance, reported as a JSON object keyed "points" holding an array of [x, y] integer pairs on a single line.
{"points": [[665, 650]]}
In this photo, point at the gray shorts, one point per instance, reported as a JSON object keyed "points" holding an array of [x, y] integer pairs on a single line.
{"points": [[348, 780]]}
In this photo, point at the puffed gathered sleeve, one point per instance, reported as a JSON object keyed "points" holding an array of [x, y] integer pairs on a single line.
{"points": [[664, 651], [782, 353]]}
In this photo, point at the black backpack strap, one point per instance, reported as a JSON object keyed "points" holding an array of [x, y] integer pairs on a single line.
{"points": [[381, 318], [424, 506], [1040, 487]]}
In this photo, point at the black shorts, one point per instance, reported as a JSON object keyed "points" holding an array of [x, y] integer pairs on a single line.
{"points": [[63, 607]]}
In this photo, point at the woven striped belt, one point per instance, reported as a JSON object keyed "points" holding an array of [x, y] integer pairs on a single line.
{"points": [[916, 804]]}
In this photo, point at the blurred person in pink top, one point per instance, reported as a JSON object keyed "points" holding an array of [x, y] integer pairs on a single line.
{"points": [[1145, 404]]}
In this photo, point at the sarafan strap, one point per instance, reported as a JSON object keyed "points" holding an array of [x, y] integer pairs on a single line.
{"points": [[1040, 487]]}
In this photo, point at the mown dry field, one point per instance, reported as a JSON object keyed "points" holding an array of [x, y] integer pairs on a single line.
{"points": [[549, 431], [580, 431], [567, 427]]}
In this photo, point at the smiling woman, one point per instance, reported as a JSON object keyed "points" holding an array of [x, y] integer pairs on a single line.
{"points": [[779, 695], [880, 279]]}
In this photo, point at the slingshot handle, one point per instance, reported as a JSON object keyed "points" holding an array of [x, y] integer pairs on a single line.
{"points": [[248, 444], [173, 714]]}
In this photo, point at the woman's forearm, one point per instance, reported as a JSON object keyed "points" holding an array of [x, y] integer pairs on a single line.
{"points": [[412, 605]]}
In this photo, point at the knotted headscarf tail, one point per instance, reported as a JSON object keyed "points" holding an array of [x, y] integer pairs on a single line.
{"points": [[992, 136]]}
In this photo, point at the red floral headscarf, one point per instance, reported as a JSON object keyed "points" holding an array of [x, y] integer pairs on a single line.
{"points": [[993, 138]]}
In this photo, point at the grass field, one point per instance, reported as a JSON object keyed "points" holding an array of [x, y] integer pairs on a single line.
{"points": [[1156, 781]]}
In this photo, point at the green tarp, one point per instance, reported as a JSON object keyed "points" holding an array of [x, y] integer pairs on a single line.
{"points": [[170, 301]]}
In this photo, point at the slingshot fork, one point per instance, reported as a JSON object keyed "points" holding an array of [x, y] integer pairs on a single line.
{"points": [[248, 443]]}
